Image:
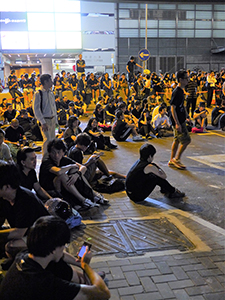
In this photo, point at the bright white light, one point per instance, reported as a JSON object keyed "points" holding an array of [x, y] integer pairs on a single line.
{"points": [[40, 6], [67, 22], [42, 40], [14, 40], [40, 21], [68, 40]]}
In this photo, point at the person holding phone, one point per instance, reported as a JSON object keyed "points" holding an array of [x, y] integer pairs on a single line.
{"points": [[44, 270]]}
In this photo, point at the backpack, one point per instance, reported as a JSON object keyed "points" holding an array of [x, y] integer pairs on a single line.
{"points": [[111, 186], [60, 208]]}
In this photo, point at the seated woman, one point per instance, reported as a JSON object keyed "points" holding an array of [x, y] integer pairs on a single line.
{"points": [[107, 84], [71, 131], [99, 114], [96, 134], [144, 125]]}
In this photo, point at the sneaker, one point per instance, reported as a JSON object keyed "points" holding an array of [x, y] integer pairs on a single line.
{"points": [[137, 138], [112, 146], [102, 274], [176, 194], [100, 199], [176, 163], [89, 204]]}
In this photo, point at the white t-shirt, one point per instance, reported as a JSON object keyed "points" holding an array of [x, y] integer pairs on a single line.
{"points": [[5, 153]]}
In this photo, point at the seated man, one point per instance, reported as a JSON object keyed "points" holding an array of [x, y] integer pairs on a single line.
{"points": [[10, 113], [14, 136], [121, 129], [19, 206], [44, 271], [30, 126], [200, 117], [5, 153], [26, 161], [161, 123], [145, 175], [61, 174], [76, 153], [217, 113]]}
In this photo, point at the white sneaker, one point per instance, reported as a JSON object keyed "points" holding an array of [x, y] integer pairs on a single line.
{"points": [[89, 204], [137, 138]]}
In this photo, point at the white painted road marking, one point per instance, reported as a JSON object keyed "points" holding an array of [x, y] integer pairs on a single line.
{"points": [[210, 160]]}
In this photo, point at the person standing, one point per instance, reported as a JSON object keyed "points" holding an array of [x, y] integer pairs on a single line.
{"points": [[130, 69], [45, 111], [80, 64], [178, 117]]}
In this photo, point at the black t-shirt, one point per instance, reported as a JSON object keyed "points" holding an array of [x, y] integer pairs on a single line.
{"points": [[25, 123], [76, 154], [136, 113], [67, 136], [9, 116], [27, 280], [81, 62], [29, 180], [137, 182], [13, 135], [131, 65], [118, 129], [26, 210], [46, 177], [178, 100]]}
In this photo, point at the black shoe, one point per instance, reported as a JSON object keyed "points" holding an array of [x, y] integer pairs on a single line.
{"points": [[112, 146], [7, 264], [176, 194]]}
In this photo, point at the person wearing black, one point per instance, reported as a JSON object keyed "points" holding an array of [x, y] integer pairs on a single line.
{"points": [[80, 64], [30, 126], [96, 134], [178, 119], [26, 161], [13, 88], [217, 113], [130, 69], [63, 176], [145, 175], [73, 83], [10, 113], [71, 132], [65, 82], [192, 94], [93, 84], [139, 88], [19, 206], [44, 271]]}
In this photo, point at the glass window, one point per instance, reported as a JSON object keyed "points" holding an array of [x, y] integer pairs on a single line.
{"points": [[219, 15], [167, 24], [128, 23], [218, 33], [185, 33], [167, 6], [186, 6], [219, 24], [128, 5], [124, 13], [190, 14], [204, 24], [128, 32], [167, 33], [38, 21], [186, 24], [204, 7], [150, 33], [219, 7], [150, 6], [202, 33], [203, 15], [150, 23]]}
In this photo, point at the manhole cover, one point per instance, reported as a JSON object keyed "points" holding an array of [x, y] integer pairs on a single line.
{"points": [[131, 237]]}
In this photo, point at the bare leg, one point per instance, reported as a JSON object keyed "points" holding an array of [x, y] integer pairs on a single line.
{"points": [[181, 150], [174, 149]]}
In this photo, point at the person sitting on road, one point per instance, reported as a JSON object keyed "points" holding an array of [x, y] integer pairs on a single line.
{"points": [[144, 175], [161, 123], [121, 129], [62, 177], [71, 132], [200, 117], [10, 113], [45, 271], [5, 153], [96, 134], [93, 163], [20, 207], [26, 161]]}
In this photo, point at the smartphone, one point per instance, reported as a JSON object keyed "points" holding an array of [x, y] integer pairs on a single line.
{"points": [[83, 249]]}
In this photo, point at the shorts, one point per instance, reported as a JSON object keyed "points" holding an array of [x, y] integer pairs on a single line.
{"points": [[123, 136], [182, 137]]}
